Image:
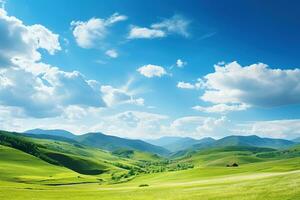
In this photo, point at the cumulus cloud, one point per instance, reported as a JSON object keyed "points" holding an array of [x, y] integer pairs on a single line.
{"points": [[180, 63], [253, 85], [142, 32], [116, 17], [37, 89], [288, 129], [40, 90], [133, 124], [112, 53], [46, 93], [197, 126], [21, 42], [44, 38], [150, 71], [221, 108], [185, 85], [90, 34], [174, 25], [113, 96], [74, 112]]}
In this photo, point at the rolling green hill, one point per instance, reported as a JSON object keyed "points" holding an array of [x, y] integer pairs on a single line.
{"points": [[252, 140], [55, 132], [113, 143], [39, 168], [79, 158], [97, 140], [50, 137], [22, 167]]}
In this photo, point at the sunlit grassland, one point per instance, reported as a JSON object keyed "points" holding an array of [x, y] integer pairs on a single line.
{"points": [[26, 177]]}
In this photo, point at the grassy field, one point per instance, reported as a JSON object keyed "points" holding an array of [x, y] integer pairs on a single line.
{"points": [[190, 184], [262, 174], [26, 177]]}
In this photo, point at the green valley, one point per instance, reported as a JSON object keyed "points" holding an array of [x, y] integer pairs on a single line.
{"points": [[36, 168]]}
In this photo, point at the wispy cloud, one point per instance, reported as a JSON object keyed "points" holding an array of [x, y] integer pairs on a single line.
{"points": [[90, 34], [174, 25]]}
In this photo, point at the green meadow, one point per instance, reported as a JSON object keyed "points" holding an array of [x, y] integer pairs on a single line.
{"points": [[262, 173]]}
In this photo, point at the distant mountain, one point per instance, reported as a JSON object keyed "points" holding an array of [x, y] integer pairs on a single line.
{"points": [[112, 143], [54, 132], [297, 140], [175, 144], [50, 137], [251, 140]]}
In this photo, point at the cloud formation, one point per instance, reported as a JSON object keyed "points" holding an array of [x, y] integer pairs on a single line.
{"points": [[114, 96], [233, 87], [221, 108], [112, 53], [253, 85], [142, 32], [180, 63], [288, 129], [150, 71], [90, 34], [21, 42], [35, 89], [47, 92], [185, 85], [174, 25]]}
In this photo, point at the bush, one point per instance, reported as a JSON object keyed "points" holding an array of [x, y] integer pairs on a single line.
{"points": [[143, 185], [232, 165]]}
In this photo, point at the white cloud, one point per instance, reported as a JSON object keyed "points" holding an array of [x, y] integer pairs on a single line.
{"points": [[221, 108], [180, 63], [116, 17], [254, 85], [112, 53], [176, 24], [288, 129], [142, 32], [114, 96], [221, 63], [197, 126], [21, 42], [34, 88], [150, 71], [184, 85], [90, 34], [45, 38], [39, 90], [46, 93], [74, 112], [132, 124]]}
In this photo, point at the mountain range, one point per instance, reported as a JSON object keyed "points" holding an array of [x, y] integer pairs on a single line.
{"points": [[98, 140], [174, 144], [163, 146]]}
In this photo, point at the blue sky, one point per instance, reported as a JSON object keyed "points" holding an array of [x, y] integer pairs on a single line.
{"points": [[145, 69]]}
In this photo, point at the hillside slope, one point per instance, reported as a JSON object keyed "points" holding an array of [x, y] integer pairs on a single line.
{"points": [[251, 140], [54, 132], [76, 157], [112, 143]]}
